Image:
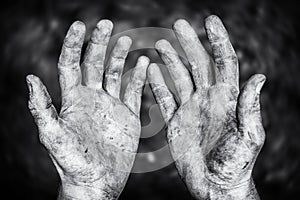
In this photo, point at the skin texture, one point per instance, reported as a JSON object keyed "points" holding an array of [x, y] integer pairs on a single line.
{"points": [[215, 131], [94, 139]]}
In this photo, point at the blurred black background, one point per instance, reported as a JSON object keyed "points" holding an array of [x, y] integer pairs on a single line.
{"points": [[264, 34]]}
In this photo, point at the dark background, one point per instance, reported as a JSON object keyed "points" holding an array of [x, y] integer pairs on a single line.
{"points": [[264, 34]]}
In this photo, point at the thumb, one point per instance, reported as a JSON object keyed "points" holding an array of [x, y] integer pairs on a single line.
{"points": [[40, 104], [248, 109]]}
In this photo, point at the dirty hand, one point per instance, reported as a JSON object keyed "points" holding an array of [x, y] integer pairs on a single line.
{"points": [[214, 131], [94, 139]]}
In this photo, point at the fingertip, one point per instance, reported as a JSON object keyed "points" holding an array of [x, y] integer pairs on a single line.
{"points": [[252, 87], [154, 75], [215, 28], [102, 31], [180, 24], [29, 79], [143, 60], [256, 78], [259, 77], [153, 65], [152, 69], [125, 41], [140, 70], [212, 19], [32, 79], [162, 44], [78, 25], [75, 35], [259, 80], [37, 90], [105, 25], [185, 33]]}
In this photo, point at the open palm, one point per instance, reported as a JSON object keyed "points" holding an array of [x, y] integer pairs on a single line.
{"points": [[214, 131], [94, 139]]}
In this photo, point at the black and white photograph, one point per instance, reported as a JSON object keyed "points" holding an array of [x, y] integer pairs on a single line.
{"points": [[150, 100]]}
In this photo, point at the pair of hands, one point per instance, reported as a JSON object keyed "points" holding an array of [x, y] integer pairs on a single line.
{"points": [[214, 131]]}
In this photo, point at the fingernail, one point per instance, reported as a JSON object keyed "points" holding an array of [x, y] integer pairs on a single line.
{"points": [[28, 77], [260, 83]]}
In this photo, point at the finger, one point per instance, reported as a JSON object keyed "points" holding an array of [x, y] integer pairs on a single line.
{"points": [[196, 54], [248, 109], [113, 73], [44, 114], [226, 61], [134, 89], [179, 73], [163, 96], [93, 63], [69, 60], [40, 104]]}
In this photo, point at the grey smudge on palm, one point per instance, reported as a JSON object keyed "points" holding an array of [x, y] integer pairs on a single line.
{"points": [[215, 132], [94, 139]]}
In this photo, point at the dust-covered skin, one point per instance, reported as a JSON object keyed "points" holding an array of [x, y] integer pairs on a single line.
{"points": [[94, 139], [215, 132]]}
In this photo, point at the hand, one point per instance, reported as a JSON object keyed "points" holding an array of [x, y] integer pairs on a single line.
{"points": [[215, 133], [94, 139]]}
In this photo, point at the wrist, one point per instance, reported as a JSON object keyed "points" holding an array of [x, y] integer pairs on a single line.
{"points": [[245, 190], [73, 191]]}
